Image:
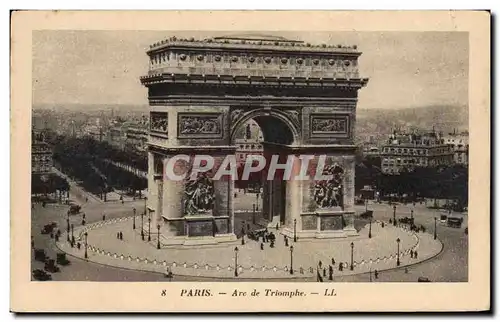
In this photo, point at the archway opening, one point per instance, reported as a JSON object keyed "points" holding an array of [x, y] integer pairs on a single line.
{"points": [[260, 199]]}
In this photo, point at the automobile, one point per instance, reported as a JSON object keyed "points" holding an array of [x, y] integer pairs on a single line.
{"points": [[74, 209], [423, 279], [41, 275], [62, 260], [50, 266], [256, 234], [47, 229], [454, 222], [367, 214], [40, 255]]}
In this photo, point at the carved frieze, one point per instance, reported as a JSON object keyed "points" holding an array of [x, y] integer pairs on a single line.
{"points": [[329, 125], [329, 193], [200, 125], [159, 122], [199, 196]]}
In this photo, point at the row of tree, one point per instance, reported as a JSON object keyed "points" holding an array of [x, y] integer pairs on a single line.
{"points": [[87, 161], [43, 185], [442, 182]]}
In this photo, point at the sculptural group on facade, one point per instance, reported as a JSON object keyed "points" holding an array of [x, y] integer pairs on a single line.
{"points": [[198, 195], [328, 193]]}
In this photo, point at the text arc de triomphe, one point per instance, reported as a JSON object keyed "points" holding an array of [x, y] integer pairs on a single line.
{"points": [[304, 98]]}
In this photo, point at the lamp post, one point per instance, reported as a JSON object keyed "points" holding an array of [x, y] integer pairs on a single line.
{"points": [[86, 235], [149, 229], [435, 227], [145, 203], [133, 225], [295, 230], [236, 261], [352, 256], [142, 226], [370, 230], [291, 260], [158, 244], [394, 215], [398, 262], [67, 222]]}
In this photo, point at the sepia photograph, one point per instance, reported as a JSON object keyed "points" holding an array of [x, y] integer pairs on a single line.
{"points": [[310, 157]]}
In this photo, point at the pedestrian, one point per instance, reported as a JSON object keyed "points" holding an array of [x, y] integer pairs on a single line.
{"points": [[333, 261], [83, 222], [121, 235], [320, 264], [301, 270], [248, 227], [272, 244], [261, 246], [103, 217], [376, 274], [277, 226], [406, 270], [78, 245], [416, 254], [118, 235], [383, 224], [286, 241], [411, 253], [330, 273], [390, 221], [341, 267]]}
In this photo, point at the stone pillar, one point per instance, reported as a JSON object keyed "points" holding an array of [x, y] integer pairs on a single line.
{"points": [[294, 196], [152, 195], [172, 199], [349, 168]]}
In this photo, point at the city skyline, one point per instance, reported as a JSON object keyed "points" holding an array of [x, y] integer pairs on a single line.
{"points": [[406, 69]]}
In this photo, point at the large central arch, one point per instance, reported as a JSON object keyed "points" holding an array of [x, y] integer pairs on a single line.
{"points": [[304, 99]]}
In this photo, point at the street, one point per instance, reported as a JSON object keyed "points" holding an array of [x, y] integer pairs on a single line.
{"points": [[449, 266]]}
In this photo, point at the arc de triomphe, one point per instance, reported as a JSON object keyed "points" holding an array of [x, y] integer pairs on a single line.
{"points": [[302, 96]]}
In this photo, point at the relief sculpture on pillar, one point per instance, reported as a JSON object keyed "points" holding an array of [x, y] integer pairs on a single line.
{"points": [[159, 122], [199, 196], [329, 193]]}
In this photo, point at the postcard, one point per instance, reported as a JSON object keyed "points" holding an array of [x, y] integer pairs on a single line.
{"points": [[250, 161]]}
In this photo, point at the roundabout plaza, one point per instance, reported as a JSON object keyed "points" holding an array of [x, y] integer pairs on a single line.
{"points": [[114, 242]]}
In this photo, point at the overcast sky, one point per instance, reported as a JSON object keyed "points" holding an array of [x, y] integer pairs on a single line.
{"points": [[406, 69]]}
